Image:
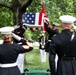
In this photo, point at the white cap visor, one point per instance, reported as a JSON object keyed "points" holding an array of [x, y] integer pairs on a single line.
{"points": [[67, 19], [6, 30]]}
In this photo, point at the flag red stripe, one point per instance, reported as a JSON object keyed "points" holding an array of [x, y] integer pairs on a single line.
{"points": [[40, 18]]}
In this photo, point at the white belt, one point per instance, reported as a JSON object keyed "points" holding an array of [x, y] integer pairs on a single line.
{"points": [[20, 43], [43, 44], [8, 65], [49, 40]]}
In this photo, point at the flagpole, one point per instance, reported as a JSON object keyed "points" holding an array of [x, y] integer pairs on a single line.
{"points": [[43, 16], [43, 32]]}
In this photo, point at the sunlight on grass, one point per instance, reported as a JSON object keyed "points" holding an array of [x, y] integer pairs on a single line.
{"points": [[33, 58]]}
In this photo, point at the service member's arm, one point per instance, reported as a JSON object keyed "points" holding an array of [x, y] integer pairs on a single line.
{"points": [[26, 44], [50, 30]]}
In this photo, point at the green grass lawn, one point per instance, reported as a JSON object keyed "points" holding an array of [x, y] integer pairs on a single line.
{"points": [[33, 60]]}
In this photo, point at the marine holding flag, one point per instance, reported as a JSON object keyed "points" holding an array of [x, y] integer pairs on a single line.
{"points": [[52, 31]]}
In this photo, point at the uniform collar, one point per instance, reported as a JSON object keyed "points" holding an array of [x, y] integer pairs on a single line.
{"points": [[65, 30], [7, 42]]}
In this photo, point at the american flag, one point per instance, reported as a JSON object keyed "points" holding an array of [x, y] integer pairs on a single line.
{"points": [[32, 19], [35, 20]]}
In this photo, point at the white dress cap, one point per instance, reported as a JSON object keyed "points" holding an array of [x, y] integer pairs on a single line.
{"points": [[6, 30], [67, 19], [56, 24]]}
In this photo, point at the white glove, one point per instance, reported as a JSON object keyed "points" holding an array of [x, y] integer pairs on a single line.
{"points": [[18, 38]]}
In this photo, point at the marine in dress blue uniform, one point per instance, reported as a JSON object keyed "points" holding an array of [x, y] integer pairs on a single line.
{"points": [[65, 50], [18, 38], [42, 41], [52, 31], [9, 53]]}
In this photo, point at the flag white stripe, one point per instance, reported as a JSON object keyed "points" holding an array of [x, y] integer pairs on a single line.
{"points": [[37, 19], [31, 26]]}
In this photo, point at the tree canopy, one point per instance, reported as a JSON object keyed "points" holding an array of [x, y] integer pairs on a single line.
{"points": [[11, 11], [54, 9]]}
